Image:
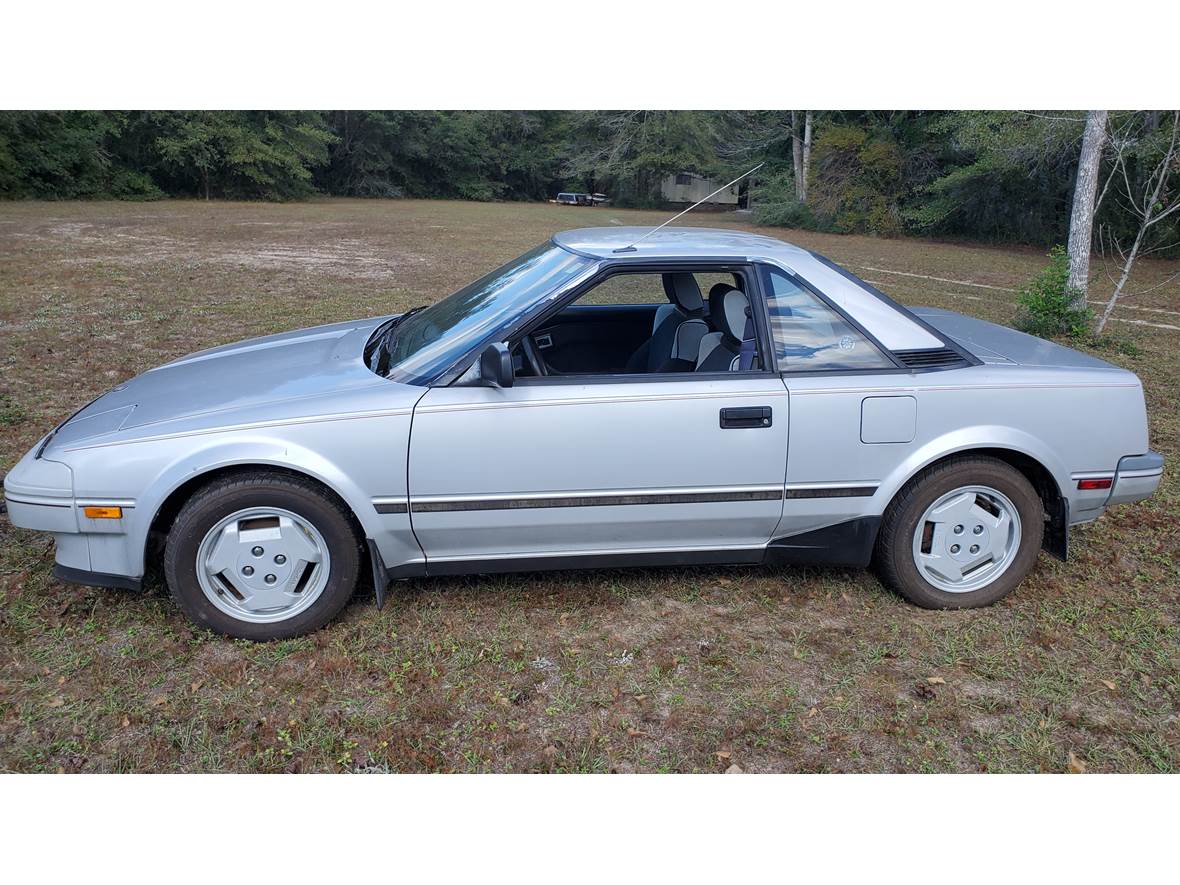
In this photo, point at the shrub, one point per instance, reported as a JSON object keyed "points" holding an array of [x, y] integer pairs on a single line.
{"points": [[1045, 304], [857, 180], [786, 213], [775, 204]]}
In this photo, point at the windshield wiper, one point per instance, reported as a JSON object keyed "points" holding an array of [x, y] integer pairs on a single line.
{"points": [[378, 357]]}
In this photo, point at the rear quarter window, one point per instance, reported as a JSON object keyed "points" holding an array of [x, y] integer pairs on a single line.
{"points": [[811, 336]]}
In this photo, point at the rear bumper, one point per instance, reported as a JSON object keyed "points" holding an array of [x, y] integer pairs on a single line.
{"points": [[1137, 477]]}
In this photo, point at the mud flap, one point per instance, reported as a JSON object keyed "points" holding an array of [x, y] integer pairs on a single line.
{"points": [[380, 574], [1056, 540]]}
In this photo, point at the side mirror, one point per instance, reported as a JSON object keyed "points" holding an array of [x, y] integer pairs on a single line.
{"points": [[495, 366]]}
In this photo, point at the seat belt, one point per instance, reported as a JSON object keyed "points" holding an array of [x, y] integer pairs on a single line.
{"points": [[748, 351]]}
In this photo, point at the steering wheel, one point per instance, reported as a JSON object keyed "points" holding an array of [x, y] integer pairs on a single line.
{"points": [[532, 355]]}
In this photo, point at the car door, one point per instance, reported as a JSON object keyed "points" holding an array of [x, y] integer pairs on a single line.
{"points": [[661, 469]]}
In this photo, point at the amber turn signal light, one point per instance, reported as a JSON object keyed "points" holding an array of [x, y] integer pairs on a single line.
{"points": [[102, 512]]}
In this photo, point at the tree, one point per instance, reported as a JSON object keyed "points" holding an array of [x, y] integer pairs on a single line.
{"points": [[473, 155], [859, 181], [1150, 201], [801, 153], [806, 156], [633, 151], [1004, 176], [1081, 220], [71, 155], [191, 143], [239, 154]]}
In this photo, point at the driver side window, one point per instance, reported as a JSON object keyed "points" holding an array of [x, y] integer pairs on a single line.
{"points": [[646, 323], [626, 288]]}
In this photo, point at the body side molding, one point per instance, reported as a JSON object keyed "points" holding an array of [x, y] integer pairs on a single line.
{"points": [[583, 499]]}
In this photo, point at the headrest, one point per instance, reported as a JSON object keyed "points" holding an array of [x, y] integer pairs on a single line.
{"points": [[727, 310], [683, 291]]}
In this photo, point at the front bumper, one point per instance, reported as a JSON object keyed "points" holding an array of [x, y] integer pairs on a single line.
{"points": [[68, 575], [39, 495]]}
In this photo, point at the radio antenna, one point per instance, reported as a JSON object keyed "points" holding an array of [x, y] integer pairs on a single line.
{"points": [[631, 248]]}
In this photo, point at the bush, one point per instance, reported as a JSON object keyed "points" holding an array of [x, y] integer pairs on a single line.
{"points": [[1044, 305], [857, 181], [775, 204], [786, 213]]}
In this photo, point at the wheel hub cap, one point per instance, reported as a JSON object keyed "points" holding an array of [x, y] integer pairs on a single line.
{"points": [[263, 564], [966, 539]]}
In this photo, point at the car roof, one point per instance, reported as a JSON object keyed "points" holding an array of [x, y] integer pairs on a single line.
{"points": [[676, 242]]}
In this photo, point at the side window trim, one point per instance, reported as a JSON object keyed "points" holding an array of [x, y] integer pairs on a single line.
{"points": [[764, 270], [643, 378]]}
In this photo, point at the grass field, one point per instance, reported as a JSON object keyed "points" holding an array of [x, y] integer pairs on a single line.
{"points": [[655, 670]]}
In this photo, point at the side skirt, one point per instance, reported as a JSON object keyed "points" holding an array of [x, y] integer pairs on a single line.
{"points": [[591, 561], [843, 544]]}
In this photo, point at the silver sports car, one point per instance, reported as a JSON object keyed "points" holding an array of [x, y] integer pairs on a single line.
{"points": [[698, 396]]}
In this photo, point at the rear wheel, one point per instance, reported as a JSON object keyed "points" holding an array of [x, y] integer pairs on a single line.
{"points": [[262, 556], [962, 534]]}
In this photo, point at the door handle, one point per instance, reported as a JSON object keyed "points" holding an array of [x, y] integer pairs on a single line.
{"points": [[746, 416]]}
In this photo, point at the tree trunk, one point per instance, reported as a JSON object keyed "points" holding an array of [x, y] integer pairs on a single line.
{"points": [[1081, 219], [797, 155], [806, 156]]}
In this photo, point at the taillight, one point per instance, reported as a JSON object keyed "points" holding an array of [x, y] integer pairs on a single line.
{"points": [[1086, 485]]}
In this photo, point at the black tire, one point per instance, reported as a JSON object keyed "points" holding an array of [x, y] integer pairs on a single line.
{"points": [[263, 488], [894, 557]]}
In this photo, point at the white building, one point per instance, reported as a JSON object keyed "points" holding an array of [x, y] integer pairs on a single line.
{"points": [[688, 188]]}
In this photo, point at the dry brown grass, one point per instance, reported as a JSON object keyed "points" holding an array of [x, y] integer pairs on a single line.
{"points": [[660, 670]]}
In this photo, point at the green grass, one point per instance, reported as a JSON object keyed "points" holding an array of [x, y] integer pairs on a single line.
{"points": [[651, 670]]}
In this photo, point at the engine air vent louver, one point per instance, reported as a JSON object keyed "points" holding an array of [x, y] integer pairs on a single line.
{"points": [[931, 358]]}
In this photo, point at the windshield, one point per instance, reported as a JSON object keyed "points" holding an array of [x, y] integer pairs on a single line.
{"points": [[431, 339]]}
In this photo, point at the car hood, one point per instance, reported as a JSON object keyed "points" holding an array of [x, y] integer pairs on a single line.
{"points": [[256, 374], [997, 344]]}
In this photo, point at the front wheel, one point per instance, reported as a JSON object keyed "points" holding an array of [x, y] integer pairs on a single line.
{"points": [[262, 556], [962, 534]]}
